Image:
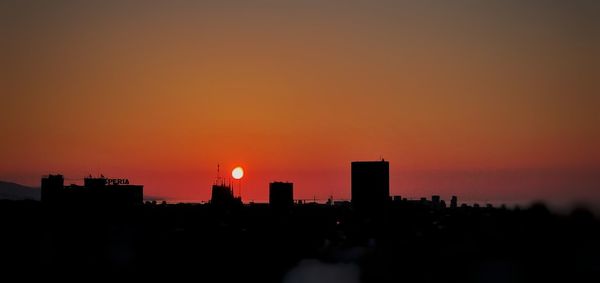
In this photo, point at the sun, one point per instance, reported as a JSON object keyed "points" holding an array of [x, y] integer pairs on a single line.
{"points": [[237, 172]]}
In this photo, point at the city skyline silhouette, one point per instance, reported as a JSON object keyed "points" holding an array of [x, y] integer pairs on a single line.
{"points": [[105, 229], [300, 141], [203, 193]]}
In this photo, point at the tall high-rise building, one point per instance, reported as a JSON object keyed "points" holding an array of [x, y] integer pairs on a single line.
{"points": [[370, 185], [281, 195]]}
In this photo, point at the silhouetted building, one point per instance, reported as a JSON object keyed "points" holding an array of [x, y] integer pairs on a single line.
{"points": [[222, 194], [443, 204], [281, 195], [52, 185], [95, 191], [435, 200], [454, 202], [370, 185], [94, 183]]}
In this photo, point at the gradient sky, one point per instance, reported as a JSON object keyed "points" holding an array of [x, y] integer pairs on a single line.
{"points": [[488, 100]]}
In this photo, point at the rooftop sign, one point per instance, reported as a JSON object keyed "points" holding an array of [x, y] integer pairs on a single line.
{"points": [[117, 182]]}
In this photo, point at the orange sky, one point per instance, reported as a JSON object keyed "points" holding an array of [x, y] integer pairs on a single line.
{"points": [[494, 101]]}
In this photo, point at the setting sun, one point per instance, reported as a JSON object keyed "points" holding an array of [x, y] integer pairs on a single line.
{"points": [[237, 173]]}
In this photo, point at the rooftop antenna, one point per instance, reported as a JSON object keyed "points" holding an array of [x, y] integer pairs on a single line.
{"points": [[218, 175]]}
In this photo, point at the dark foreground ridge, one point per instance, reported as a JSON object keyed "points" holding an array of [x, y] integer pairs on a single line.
{"points": [[407, 242]]}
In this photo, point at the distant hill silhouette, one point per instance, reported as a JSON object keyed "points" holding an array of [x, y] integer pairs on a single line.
{"points": [[12, 191]]}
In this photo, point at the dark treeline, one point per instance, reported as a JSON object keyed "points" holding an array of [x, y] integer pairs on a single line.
{"points": [[407, 242]]}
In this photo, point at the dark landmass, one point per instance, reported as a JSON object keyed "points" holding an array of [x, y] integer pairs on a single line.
{"points": [[409, 242], [12, 191]]}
